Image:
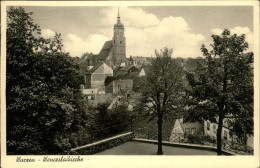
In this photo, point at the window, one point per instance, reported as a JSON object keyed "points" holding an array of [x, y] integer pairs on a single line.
{"points": [[214, 128], [208, 126], [192, 130], [225, 134], [121, 42], [187, 131]]}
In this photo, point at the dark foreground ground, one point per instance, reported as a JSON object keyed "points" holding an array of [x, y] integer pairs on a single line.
{"points": [[139, 148]]}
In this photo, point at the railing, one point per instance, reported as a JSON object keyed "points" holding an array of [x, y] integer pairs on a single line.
{"points": [[234, 147], [102, 145], [237, 147]]}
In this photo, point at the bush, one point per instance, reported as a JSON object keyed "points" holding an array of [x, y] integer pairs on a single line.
{"points": [[103, 123], [194, 139]]}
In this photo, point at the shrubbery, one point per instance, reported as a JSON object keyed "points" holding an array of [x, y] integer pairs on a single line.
{"points": [[105, 123]]}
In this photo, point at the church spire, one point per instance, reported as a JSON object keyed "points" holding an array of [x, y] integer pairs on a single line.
{"points": [[118, 16]]}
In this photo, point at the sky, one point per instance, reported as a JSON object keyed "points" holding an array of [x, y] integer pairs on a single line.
{"points": [[182, 28]]}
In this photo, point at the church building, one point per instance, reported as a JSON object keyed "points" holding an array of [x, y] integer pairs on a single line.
{"points": [[113, 52]]}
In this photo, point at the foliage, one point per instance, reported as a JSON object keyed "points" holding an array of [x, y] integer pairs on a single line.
{"points": [[222, 86], [137, 84], [105, 123], [163, 90], [198, 139], [194, 139], [43, 106]]}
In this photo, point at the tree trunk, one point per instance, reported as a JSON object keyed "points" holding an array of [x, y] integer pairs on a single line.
{"points": [[222, 113], [219, 131], [159, 122]]}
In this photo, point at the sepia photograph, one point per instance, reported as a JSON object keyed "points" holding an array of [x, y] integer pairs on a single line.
{"points": [[128, 80]]}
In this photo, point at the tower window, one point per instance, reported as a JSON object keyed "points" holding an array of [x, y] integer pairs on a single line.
{"points": [[120, 42], [114, 41]]}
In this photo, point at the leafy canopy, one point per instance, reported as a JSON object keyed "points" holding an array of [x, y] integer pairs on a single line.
{"points": [[43, 106], [223, 84], [163, 85]]}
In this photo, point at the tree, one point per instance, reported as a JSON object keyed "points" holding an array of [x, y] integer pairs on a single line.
{"points": [[221, 88], [106, 122], [43, 103], [162, 94]]}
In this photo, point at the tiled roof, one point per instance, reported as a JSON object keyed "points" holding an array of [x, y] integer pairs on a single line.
{"points": [[109, 79], [95, 67], [137, 58], [139, 67], [126, 69]]}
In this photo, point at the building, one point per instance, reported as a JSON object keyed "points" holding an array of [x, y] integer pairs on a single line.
{"points": [[138, 60], [96, 76], [143, 70], [205, 128], [113, 52], [119, 85], [128, 69]]}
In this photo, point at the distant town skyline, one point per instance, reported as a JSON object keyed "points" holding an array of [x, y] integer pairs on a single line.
{"points": [[183, 28]]}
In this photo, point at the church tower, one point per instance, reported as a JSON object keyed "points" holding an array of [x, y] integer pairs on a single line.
{"points": [[119, 46]]}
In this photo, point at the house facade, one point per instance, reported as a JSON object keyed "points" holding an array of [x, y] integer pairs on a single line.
{"points": [[205, 128], [122, 86], [96, 76], [119, 85]]}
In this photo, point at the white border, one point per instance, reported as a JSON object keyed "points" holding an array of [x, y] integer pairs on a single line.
{"points": [[137, 161]]}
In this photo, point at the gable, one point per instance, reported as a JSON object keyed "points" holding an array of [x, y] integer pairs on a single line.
{"points": [[142, 73], [107, 69], [178, 127], [100, 69], [95, 68], [103, 69]]}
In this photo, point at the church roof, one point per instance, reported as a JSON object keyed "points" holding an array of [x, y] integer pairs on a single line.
{"points": [[103, 54]]}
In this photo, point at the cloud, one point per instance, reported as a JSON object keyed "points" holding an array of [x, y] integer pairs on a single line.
{"points": [[239, 31], [216, 31], [144, 33], [171, 32], [47, 33], [130, 16], [77, 46]]}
